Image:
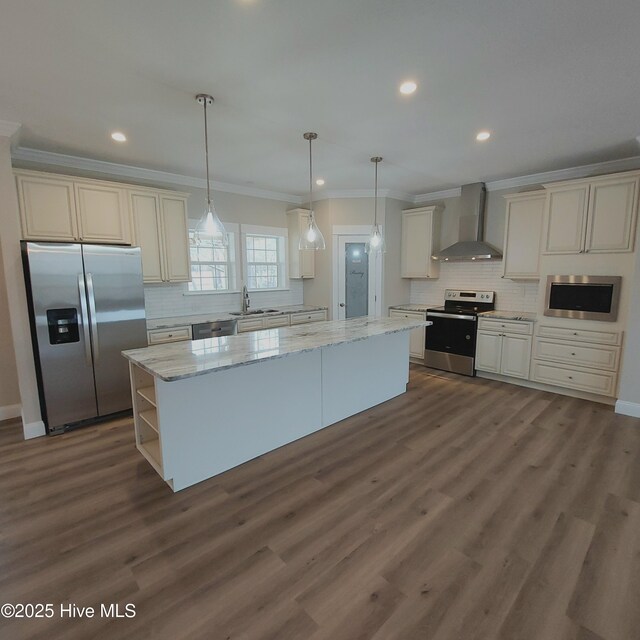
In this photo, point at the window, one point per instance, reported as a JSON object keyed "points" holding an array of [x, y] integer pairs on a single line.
{"points": [[212, 264], [265, 256]]}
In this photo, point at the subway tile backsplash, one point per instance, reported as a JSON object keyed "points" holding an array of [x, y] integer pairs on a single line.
{"points": [[168, 300], [510, 295]]}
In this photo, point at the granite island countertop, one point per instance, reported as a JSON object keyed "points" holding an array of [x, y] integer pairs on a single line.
{"points": [[219, 316], [180, 360]]}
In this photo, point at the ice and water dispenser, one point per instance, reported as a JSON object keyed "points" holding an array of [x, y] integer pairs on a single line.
{"points": [[63, 326]]}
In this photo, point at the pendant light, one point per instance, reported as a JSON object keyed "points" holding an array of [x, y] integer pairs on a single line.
{"points": [[375, 244], [312, 237], [209, 224]]}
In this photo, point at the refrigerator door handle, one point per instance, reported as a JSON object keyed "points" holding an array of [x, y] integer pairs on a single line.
{"points": [[85, 318], [93, 318]]}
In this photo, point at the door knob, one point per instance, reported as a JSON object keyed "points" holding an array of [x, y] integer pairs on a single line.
{"points": [[342, 304]]}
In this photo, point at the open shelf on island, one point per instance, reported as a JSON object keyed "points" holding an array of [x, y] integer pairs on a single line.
{"points": [[150, 449], [149, 394], [151, 418]]}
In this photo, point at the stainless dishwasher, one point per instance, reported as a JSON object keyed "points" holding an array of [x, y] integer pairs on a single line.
{"points": [[214, 329]]}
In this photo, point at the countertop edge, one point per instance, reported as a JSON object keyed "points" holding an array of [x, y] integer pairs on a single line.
{"points": [[415, 325]]}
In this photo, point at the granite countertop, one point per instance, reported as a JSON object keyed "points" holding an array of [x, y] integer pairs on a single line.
{"points": [[219, 316], [180, 360], [413, 307], [526, 316]]}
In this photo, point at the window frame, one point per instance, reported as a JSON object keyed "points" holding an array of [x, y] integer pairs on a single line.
{"points": [[281, 234], [232, 262]]}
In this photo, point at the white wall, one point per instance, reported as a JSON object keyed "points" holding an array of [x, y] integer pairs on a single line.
{"points": [[629, 387], [9, 392], [16, 297]]}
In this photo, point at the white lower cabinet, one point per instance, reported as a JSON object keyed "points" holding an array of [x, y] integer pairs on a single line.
{"points": [[174, 334], [577, 358], [508, 354], [488, 351], [308, 316], [416, 336], [283, 320]]}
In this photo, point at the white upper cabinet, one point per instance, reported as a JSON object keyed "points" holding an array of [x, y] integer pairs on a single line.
{"points": [[47, 208], [160, 225], [145, 214], [420, 240], [523, 235], [301, 261], [102, 213], [64, 208], [592, 216], [612, 215], [175, 237]]}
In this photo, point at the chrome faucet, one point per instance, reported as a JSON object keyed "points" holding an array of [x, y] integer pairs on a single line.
{"points": [[246, 302]]}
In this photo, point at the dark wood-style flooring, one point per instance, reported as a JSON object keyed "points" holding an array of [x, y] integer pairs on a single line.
{"points": [[465, 509]]}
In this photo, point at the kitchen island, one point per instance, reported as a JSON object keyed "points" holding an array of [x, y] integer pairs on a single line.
{"points": [[202, 407]]}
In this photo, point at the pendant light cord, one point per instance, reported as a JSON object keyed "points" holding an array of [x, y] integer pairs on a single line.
{"points": [[206, 151], [310, 179], [375, 200]]}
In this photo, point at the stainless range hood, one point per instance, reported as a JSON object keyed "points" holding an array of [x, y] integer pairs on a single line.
{"points": [[471, 244]]}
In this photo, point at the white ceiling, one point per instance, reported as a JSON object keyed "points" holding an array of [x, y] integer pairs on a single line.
{"points": [[557, 81]]}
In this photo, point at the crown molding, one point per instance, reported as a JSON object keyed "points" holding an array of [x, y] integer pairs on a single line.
{"points": [[333, 194], [437, 195], [584, 171], [9, 129], [153, 176], [148, 175]]}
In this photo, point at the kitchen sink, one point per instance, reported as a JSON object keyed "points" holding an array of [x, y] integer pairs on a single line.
{"points": [[253, 312]]}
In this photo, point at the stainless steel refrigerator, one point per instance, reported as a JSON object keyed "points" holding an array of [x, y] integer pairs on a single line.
{"points": [[86, 305]]}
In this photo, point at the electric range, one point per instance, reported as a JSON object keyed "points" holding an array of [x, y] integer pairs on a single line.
{"points": [[450, 342]]}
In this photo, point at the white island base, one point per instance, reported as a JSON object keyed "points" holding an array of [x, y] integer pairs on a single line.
{"points": [[194, 428]]}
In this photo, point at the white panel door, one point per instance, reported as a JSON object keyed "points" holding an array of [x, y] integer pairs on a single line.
{"points": [[175, 239], [145, 211], [47, 209], [102, 214], [488, 351], [566, 219], [516, 356], [612, 216]]}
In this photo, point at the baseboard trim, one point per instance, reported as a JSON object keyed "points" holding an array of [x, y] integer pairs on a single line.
{"points": [[628, 408], [33, 429], [10, 411]]}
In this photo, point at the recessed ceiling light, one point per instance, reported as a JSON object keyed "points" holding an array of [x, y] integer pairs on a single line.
{"points": [[118, 136], [483, 135], [320, 182], [408, 87]]}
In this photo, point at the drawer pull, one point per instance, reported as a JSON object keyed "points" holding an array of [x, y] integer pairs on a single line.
{"points": [[570, 377], [575, 333], [171, 335], [573, 354]]}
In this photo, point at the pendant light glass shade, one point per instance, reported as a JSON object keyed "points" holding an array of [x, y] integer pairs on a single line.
{"points": [[376, 243], [209, 224], [312, 237]]}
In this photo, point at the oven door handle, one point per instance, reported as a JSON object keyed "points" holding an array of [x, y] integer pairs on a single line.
{"points": [[452, 316]]}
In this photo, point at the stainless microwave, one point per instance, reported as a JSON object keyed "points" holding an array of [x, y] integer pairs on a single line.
{"points": [[583, 297]]}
